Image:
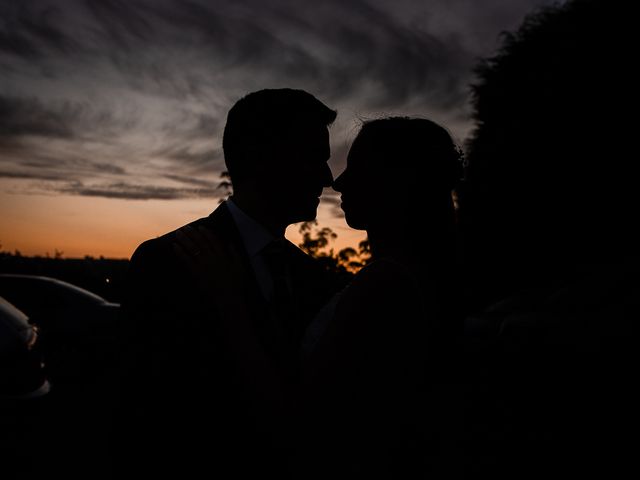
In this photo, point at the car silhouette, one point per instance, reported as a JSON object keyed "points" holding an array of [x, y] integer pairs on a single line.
{"points": [[66, 430], [21, 369], [77, 327]]}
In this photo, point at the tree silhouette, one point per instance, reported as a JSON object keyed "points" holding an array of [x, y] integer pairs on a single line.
{"points": [[225, 185], [315, 240], [549, 166]]}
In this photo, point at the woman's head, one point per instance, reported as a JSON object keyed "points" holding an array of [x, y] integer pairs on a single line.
{"points": [[399, 168]]}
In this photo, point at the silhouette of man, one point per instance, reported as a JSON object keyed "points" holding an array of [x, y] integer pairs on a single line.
{"points": [[184, 409]]}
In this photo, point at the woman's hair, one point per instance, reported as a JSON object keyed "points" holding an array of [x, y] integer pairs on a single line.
{"points": [[415, 150]]}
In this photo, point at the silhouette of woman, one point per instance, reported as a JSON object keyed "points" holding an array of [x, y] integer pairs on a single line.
{"points": [[367, 351]]}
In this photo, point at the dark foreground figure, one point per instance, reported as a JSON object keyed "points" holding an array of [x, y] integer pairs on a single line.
{"points": [[187, 409]]}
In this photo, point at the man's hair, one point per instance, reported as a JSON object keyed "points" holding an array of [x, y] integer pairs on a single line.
{"points": [[255, 125]]}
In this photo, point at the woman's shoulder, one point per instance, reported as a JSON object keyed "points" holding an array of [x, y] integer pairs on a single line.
{"points": [[386, 272], [382, 283]]}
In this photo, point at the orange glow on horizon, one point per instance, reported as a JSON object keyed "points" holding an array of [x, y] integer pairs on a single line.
{"points": [[37, 224]]}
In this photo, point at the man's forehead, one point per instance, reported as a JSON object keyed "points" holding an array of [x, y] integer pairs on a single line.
{"points": [[310, 129], [309, 135]]}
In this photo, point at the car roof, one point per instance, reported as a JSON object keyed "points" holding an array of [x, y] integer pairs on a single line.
{"points": [[54, 283]]}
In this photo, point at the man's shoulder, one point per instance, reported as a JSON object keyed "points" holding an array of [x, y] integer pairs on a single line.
{"points": [[159, 246], [163, 244]]}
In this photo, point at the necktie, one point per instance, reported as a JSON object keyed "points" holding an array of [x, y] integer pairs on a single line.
{"points": [[282, 303]]}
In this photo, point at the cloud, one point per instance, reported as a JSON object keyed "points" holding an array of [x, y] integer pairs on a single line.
{"points": [[187, 159], [193, 181], [121, 21], [178, 47], [331, 198], [20, 117], [33, 175], [33, 160], [105, 94], [65, 119], [202, 126], [123, 190], [335, 48], [31, 32]]}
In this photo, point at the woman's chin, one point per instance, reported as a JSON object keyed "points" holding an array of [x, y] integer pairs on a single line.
{"points": [[353, 221]]}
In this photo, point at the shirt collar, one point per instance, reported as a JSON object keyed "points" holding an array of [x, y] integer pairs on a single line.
{"points": [[254, 236]]}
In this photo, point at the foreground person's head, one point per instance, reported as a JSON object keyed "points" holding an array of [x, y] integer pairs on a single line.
{"points": [[276, 147], [400, 170]]}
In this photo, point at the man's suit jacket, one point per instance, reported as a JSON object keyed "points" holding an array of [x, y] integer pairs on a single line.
{"points": [[182, 407]]}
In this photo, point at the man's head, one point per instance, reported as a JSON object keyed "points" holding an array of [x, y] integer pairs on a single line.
{"points": [[276, 147]]}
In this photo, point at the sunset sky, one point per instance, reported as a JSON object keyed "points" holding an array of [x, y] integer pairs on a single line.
{"points": [[111, 112]]}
